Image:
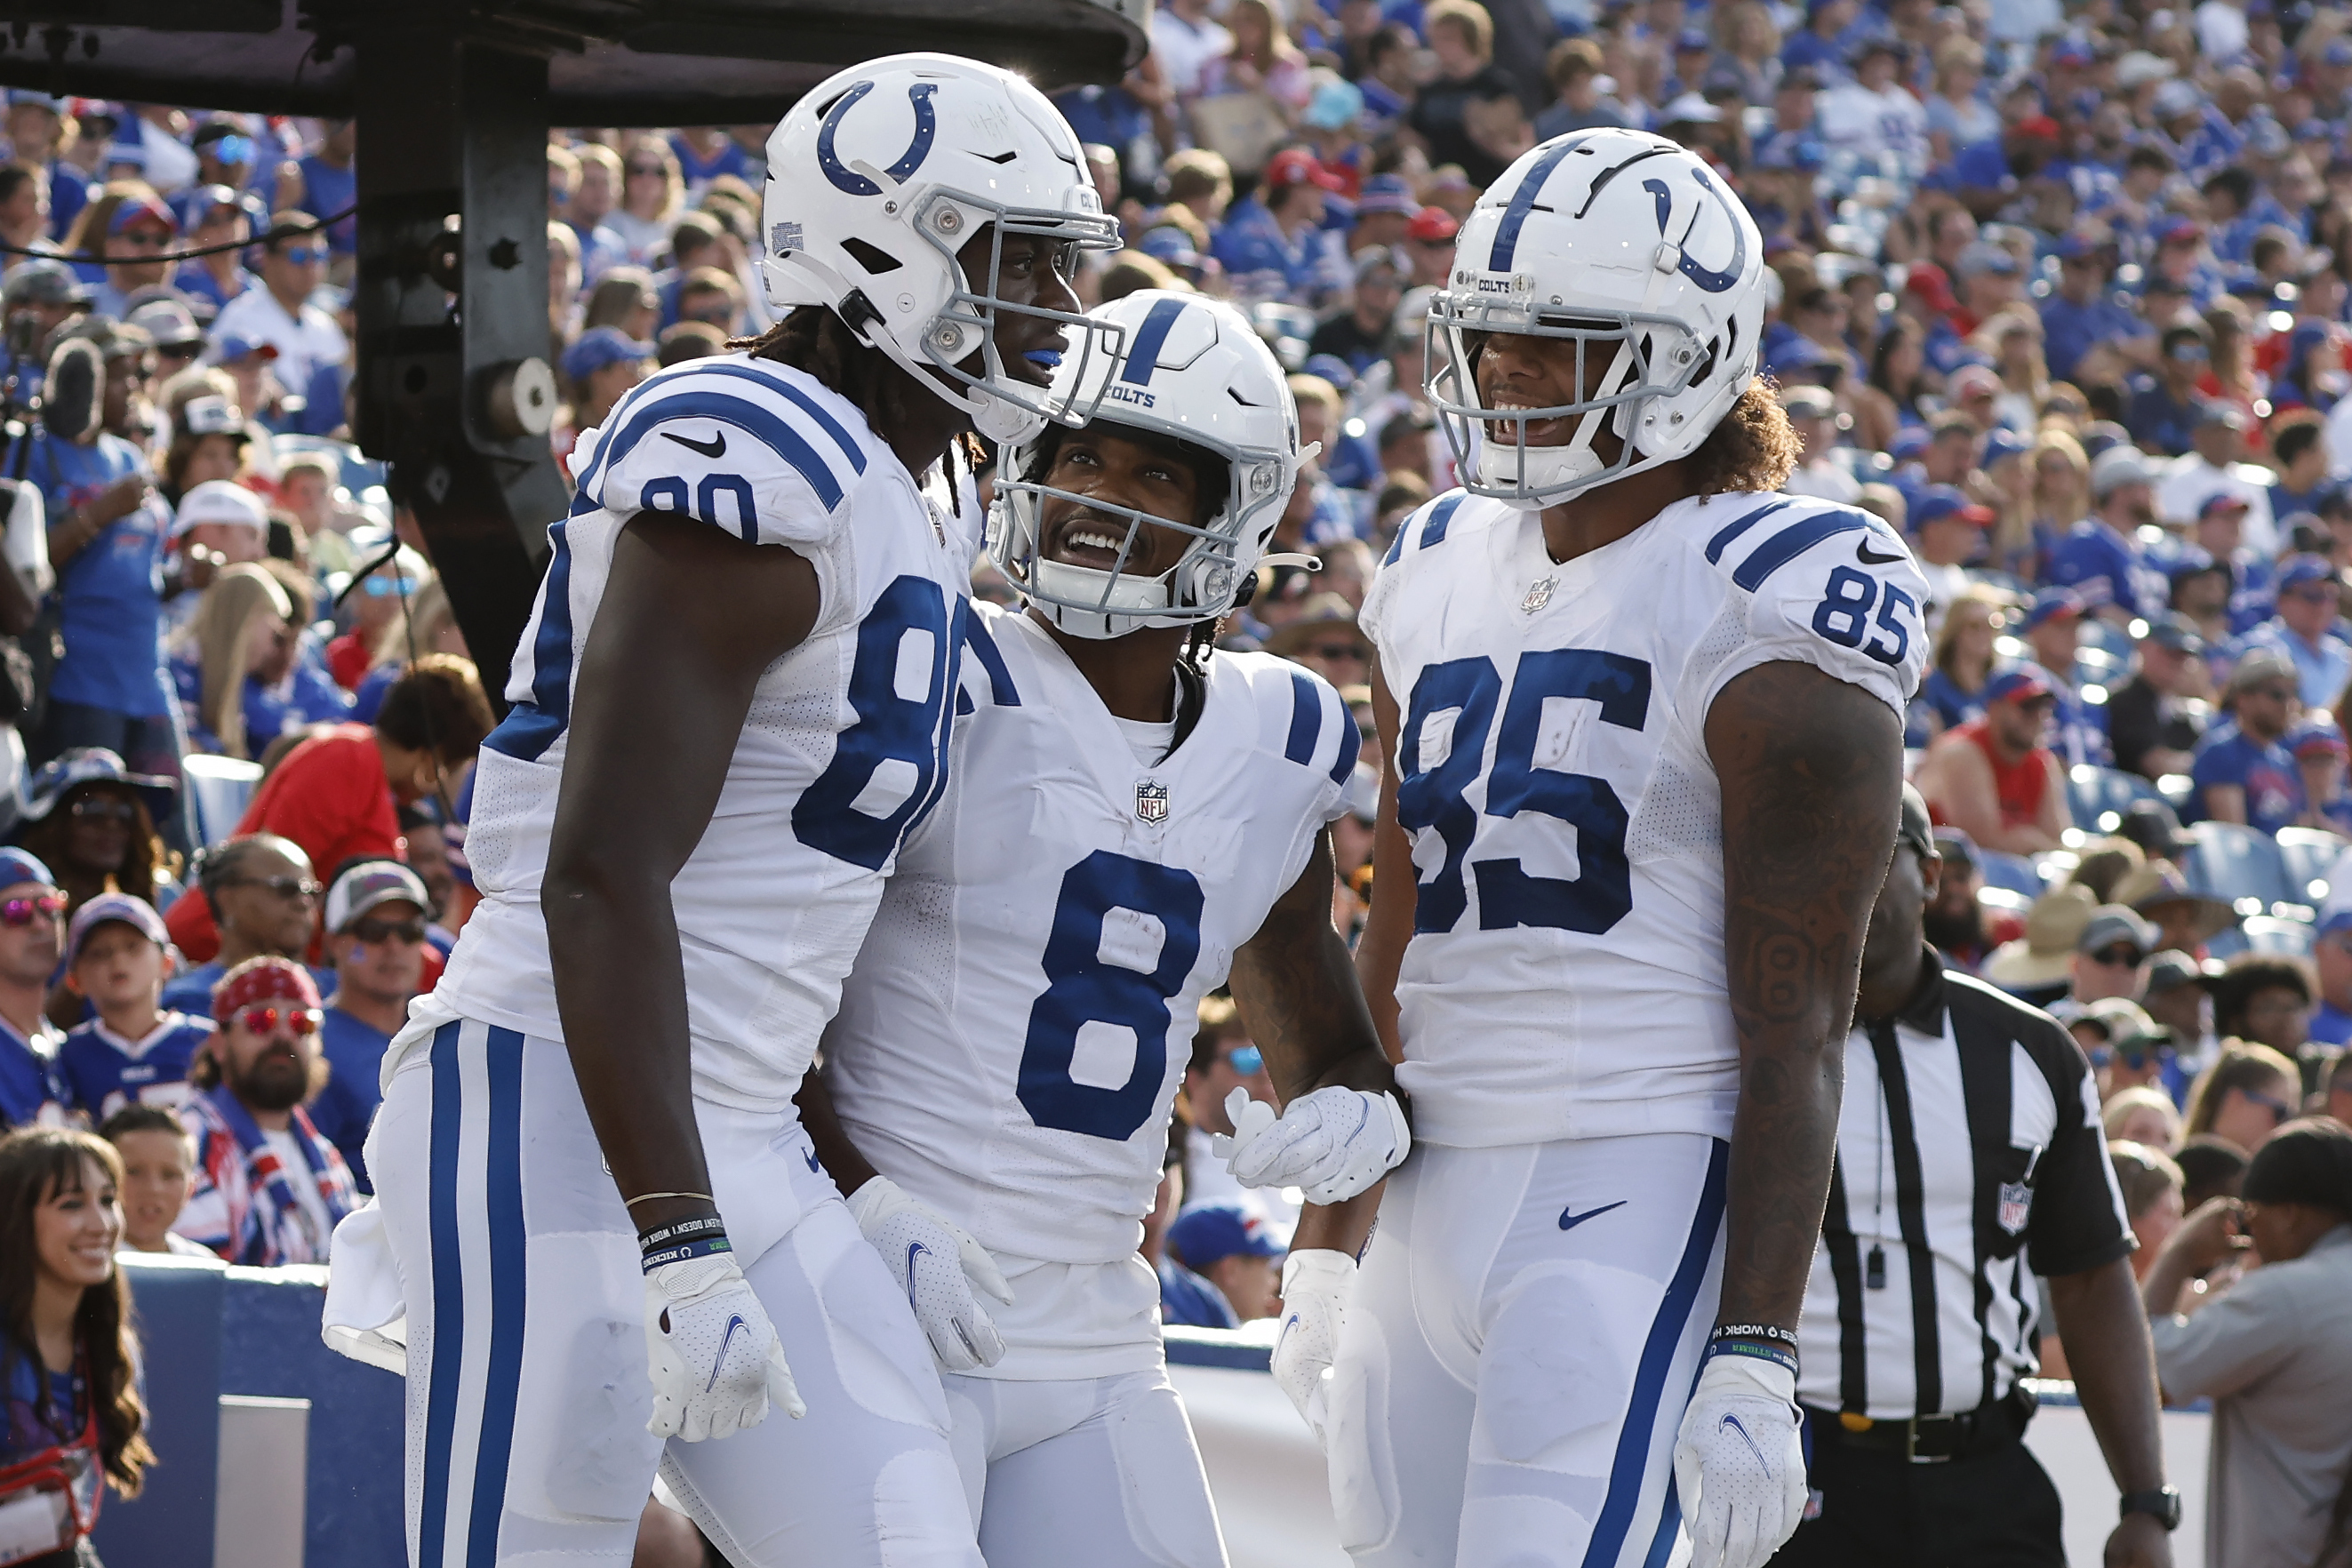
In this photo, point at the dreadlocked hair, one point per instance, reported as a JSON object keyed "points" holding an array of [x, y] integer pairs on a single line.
{"points": [[1754, 448], [812, 338], [1202, 641]]}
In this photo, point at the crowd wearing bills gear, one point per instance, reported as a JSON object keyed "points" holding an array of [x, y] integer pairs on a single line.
{"points": [[1630, 247], [544, 1366], [1190, 370], [939, 1266], [882, 174]]}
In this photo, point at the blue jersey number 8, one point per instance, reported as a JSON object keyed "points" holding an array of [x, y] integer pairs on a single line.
{"points": [[889, 728], [1082, 989], [1603, 893]]}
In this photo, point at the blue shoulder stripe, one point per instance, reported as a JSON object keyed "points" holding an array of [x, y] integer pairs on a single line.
{"points": [[1305, 719], [1794, 541], [532, 726], [1732, 531], [727, 409], [1350, 743], [1441, 517], [983, 647], [799, 399]]}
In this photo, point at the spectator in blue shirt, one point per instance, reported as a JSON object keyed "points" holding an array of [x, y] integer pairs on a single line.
{"points": [[375, 937], [2298, 443], [2243, 771], [1278, 229], [2310, 597], [331, 184], [107, 535], [2082, 313], [2101, 557], [2321, 753], [2164, 405], [2331, 959], [32, 921], [131, 1052], [2254, 583], [1235, 1253]]}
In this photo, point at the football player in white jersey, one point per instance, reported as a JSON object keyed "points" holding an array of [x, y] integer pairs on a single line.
{"points": [[1646, 724], [1131, 818], [732, 703]]}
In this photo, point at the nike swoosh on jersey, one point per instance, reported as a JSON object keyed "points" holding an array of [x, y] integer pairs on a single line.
{"points": [[814, 1163], [733, 1323], [1862, 553], [714, 449], [1569, 1219]]}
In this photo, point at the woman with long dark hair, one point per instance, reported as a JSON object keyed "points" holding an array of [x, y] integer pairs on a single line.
{"points": [[67, 1357], [92, 822], [1890, 397]]}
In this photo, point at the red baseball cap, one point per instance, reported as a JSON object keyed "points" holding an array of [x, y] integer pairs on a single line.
{"points": [[1927, 281], [1432, 226], [1296, 166]]}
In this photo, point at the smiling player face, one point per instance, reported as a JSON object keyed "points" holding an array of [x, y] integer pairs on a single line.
{"points": [[1116, 471], [1520, 369]]}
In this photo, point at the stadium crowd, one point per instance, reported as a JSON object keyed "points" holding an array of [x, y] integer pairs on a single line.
{"points": [[2060, 290]]}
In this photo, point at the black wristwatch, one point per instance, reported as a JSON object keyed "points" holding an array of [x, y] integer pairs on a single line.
{"points": [[2163, 1503]]}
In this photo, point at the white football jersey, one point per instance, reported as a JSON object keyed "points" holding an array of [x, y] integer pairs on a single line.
{"points": [[1012, 1040], [1566, 975], [845, 749]]}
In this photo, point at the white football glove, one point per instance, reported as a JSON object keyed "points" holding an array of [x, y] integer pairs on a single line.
{"points": [[1315, 1285], [716, 1336], [1740, 1464], [938, 1265], [1332, 1143]]}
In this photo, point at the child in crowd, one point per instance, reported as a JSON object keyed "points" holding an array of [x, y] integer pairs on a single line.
{"points": [[158, 1171], [133, 1052]]}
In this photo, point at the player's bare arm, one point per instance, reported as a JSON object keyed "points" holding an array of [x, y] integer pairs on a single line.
{"points": [[690, 619], [1811, 771], [1379, 951], [1295, 983]]}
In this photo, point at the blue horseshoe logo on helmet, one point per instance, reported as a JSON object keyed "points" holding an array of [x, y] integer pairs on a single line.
{"points": [[927, 125], [1713, 282]]}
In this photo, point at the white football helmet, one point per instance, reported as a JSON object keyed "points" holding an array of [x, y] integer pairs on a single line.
{"points": [[882, 173], [1618, 241], [1190, 370]]}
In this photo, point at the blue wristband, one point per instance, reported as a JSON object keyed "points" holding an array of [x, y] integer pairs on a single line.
{"points": [[705, 1246]]}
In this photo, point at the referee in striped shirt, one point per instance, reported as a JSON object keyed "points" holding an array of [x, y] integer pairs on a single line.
{"points": [[1969, 1158]]}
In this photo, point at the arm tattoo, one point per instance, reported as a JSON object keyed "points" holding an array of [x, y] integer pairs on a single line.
{"points": [[1811, 771]]}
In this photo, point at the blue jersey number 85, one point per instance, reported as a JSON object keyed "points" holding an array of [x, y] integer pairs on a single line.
{"points": [[1508, 896]]}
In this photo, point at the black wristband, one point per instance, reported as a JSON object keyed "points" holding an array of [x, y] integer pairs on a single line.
{"points": [[673, 1232], [1755, 1331]]}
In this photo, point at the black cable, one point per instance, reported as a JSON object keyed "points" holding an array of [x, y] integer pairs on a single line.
{"points": [[276, 234]]}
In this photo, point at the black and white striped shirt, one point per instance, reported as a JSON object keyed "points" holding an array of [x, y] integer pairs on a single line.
{"points": [[1969, 1133]]}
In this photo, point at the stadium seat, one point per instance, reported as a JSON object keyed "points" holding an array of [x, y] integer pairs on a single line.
{"points": [[219, 788], [2309, 855], [2262, 933], [2099, 796], [2014, 872], [2239, 863]]}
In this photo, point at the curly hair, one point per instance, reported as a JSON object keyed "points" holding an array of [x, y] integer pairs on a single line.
{"points": [[812, 338], [1753, 449]]}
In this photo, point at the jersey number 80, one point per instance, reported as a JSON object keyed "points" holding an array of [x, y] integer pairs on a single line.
{"points": [[1436, 798]]}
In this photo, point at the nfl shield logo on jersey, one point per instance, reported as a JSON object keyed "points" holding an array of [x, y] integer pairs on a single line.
{"points": [[1151, 801], [2016, 1199]]}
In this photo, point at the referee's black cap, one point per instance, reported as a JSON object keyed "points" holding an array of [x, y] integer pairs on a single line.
{"points": [[1914, 828]]}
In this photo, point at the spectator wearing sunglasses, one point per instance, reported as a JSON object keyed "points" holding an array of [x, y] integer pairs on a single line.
{"points": [[336, 795], [1224, 1059], [269, 1188], [133, 1052], [268, 904], [375, 937], [1326, 640], [2243, 771], [32, 932], [2244, 1096], [136, 225], [2310, 599], [92, 822], [279, 314]]}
